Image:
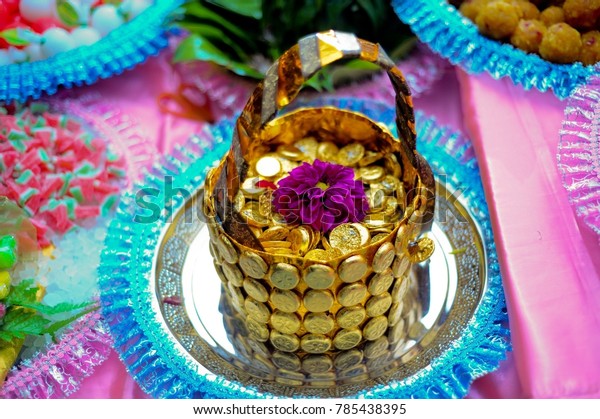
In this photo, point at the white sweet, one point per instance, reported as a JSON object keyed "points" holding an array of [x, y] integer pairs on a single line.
{"points": [[106, 18], [33, 10], [85, 36], [5, 58], [17, 55], [34, 52], [56, 40]]}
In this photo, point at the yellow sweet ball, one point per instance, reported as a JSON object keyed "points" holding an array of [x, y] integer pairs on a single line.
{"points": [[590, 48], [561, 44], [498, 19], [4, 284], [471, 8], [582, 14], [528, 35], [552, 15], [526, 9]]}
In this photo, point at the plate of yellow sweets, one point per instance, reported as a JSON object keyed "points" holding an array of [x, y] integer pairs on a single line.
{"points": [[544, 44]]}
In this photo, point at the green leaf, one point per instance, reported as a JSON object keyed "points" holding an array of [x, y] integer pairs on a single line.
{"points": [[57, 309], [56, 326], [214, 33], [249, 8], [18, 322], [196, 47], [67, 13], [22, 293], [201, 12], [11, 36]]}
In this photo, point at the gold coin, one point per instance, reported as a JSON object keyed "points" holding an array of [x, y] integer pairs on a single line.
{"points": [[291, 375], [370, 174], [369, 158], [381, 282], [397, 332], [390, 184], [285, 276], [316, 364], [378, 220], [375, 327], [255, 216], [250, 189], [290, 152], [351, 154], [405, 235], [318, 301], [319, 323], [349, 317], [263, 363], [308, 146], [253, 265], [365, 235], [422, 250], [257, 231], [300, 238], [315, 344], [226, 249], [392, 166], [285, 322], [279, 251], [284, 342], [348, 359], [378, 304], [383, 257], [352, 294], [236, 295], [355, 374], [257, 330], [286, 301], [256, 290], [345, 237], [239, 201], [321, 255], [322, 379], [353, 269], [290, 382], [257, 310], [265, 205], [376, 199], [327, 151], [233, 274], [400, 266], [219, 271], [395, 314], [376, 348], [391, 206], [347, 339], [325, 243], [315, 238], [259, 347], [400, 288], [319, 276], [268, 166], [275, 233], [286, 361]]}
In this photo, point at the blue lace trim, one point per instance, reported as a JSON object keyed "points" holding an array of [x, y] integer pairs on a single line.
{"points": [[456, 38], [149, 352], [122, 49]]}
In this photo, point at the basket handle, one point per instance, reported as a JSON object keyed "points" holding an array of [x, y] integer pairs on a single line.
{"points": [[285, 78]]}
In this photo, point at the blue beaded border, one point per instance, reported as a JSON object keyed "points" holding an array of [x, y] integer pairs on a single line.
{"points": [[122, 49], [456, 38], [151, 354]]}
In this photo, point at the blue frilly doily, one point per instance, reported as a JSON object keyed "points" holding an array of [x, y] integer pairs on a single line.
{"points": [[150, 353], [122, 49], [447, 32]]}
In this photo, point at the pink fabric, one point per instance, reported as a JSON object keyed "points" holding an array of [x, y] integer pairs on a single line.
{"points": [[550, 267]]}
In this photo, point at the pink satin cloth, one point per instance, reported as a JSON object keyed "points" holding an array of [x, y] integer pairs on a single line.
{"points": [[551, 283]]}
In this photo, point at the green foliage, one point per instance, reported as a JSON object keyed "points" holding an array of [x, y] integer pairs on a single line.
{"points": [[243, 35], [25, 315]]}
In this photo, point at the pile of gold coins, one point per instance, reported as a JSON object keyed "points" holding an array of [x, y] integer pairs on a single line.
{"points": [[384, 191], [355, 365]]}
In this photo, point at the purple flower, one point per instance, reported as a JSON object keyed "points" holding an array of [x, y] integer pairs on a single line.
{"points": [[2, 310], [322, 195]]}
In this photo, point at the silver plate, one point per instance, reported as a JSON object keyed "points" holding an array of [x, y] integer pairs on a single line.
{"points": [[187, 289]]}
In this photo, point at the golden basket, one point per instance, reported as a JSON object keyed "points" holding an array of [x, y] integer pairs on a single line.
{"points": [[301, 313]]}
